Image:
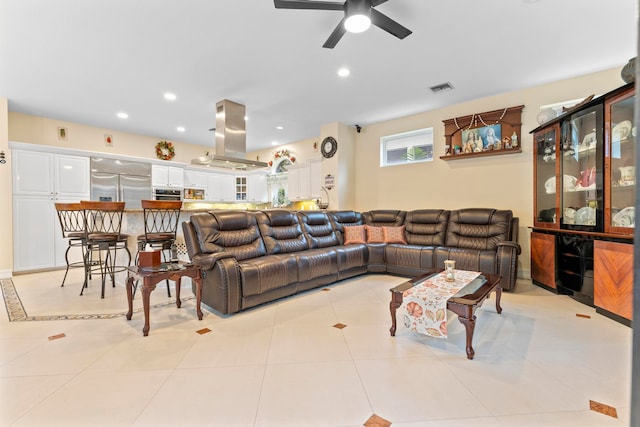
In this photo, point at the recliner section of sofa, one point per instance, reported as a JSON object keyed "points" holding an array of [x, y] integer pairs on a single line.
{"points": [[249, 258]]}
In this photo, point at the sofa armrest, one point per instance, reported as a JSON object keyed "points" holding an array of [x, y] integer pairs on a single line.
{"points": [[514, 245], [507, 261], [208, 261], [222, 283]]}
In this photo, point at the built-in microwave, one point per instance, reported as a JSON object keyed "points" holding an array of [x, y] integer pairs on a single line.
{"points": [[194, 193], [167, 194]]}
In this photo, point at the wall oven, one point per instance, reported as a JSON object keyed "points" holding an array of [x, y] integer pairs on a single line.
{"points": [[167, 194]]}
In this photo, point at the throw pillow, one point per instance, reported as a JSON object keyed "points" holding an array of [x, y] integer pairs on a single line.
{"points": [[374, 234], [394, 235], [354, 234]]}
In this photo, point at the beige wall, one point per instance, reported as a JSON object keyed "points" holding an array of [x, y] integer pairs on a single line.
{"points": [[6, 221], [44, 131], [301, 150], [503, 182]]}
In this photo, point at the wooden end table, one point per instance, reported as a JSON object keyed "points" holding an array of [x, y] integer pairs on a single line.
{"points": [[464, 303], [151, 277]]}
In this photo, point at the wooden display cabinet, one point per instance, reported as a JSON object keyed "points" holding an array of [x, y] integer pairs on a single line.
{"points": [[584, 197], [613, 271], [543, 259]]}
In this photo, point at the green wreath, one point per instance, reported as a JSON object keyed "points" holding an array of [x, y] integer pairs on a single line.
{"points": [[165, 150]]}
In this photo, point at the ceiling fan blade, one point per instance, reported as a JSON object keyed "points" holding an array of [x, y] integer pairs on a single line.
{"points": [[311, 4], [336, 35], [389, 25]]}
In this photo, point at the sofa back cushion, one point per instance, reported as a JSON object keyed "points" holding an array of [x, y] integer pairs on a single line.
{"points": [[480, 228], [388, 218], [229, 231], [282, 232], [426, 227], [341, 219], [319, 229]]}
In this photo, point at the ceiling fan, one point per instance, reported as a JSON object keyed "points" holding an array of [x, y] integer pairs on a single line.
{"points": [[358, 16]]}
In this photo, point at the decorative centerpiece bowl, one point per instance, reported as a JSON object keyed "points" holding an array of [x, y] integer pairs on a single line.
{"points": [[322, 205]]}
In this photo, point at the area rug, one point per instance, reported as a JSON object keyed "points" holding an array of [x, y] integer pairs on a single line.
{"points": [[17, 312]]}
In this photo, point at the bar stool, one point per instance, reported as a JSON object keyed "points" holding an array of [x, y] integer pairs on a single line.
{"points": [[160, 227], [103, 221], [71, 217]]}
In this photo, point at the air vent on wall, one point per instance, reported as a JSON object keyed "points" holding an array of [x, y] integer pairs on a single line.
{"points": [[441, 87]]}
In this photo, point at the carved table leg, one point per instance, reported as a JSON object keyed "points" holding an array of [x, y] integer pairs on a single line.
{"points": [[396, 301], [198, 282], [146, 293], [498, 296], [129, 297], [177, 282], [469, 325]]}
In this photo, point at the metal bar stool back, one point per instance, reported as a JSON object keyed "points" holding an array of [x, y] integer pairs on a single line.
{"points": [[71, 217], [103, 222], [161, 219]]}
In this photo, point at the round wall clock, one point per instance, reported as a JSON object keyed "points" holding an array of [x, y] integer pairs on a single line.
{"points": [[329, 147]]}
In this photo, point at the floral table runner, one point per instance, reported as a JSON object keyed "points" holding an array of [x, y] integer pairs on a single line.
{"points": [[426, 303]]}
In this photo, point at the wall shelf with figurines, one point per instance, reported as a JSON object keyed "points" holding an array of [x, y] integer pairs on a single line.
{"points": [[484, 134]]}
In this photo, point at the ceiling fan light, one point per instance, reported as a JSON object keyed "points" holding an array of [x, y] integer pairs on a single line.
{"points": [[357, 23]]}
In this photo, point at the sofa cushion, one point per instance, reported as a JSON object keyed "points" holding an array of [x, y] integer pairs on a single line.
{"points": [[354, 234], [282, 232], [394, 234], [390, 218], [467, 259], [319, 229], [314, 263], [266, 273], [426, 227], [480, 228], [374, 234], [235, 232]]}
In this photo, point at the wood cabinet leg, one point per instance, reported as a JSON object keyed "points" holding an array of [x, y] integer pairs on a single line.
{"points": [[469, 325]]}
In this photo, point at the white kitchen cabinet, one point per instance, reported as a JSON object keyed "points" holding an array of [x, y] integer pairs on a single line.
{"points": [[167, 176], [195, 179], [39, 181], [257, 191], [221, 187], [299, 182], [44, 174]]}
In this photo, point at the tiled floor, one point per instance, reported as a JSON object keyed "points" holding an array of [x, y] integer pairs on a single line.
{"points": [[284, 364]]}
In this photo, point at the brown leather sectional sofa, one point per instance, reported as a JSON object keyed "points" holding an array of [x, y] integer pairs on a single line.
{"points": [[249, 258]]}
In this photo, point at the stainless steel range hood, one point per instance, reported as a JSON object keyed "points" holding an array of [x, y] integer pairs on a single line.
{"points": [[231, 140]]}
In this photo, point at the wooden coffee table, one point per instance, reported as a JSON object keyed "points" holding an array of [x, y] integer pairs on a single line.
{"points": [[464, 303], [151, 277]]}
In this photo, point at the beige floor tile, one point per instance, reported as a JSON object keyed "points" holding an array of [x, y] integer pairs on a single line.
{"points": [[20, 394], [312, 394]]}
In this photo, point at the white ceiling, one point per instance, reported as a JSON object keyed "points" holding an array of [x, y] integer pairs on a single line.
{"points": [[85, 60]]}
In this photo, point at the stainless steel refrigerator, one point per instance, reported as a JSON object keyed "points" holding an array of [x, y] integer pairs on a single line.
{"points": [[120, 181]]}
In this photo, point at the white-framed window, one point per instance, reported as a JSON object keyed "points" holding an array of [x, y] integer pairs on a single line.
{"points": [[408, 147]]}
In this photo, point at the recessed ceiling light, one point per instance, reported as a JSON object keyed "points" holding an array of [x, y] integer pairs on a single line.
{"points": [[344, 72], [274, 143], [180, 129], [123, 115], [170, 96], [279, 127], [246, 118]]}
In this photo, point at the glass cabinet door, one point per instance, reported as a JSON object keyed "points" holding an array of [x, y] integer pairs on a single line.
{"points": [[546, 167], [582, 145], [620, 164]]}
